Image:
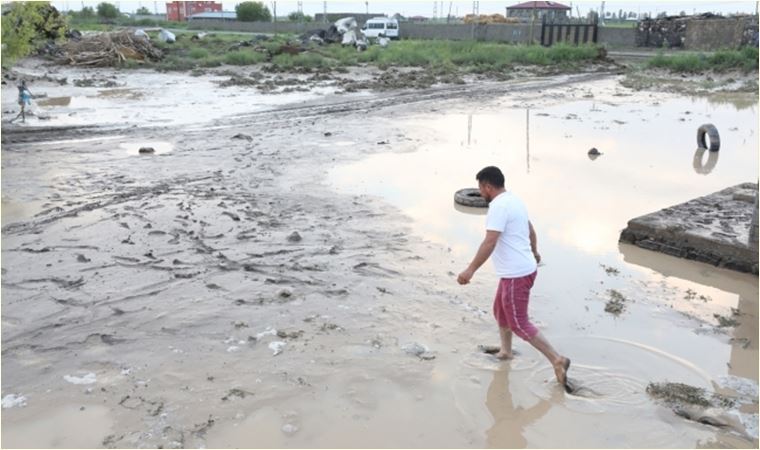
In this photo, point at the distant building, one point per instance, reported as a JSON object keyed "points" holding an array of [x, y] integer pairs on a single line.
{"points": [[221, 15], [553, 11], [418, 19], [179, 11]]}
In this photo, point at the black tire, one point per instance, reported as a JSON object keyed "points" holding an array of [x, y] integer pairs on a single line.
{"points": [[711, 132], [470, 197]]}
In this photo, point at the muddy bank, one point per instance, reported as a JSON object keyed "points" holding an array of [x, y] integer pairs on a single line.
{"points": [[222, 293], [732, 85]]}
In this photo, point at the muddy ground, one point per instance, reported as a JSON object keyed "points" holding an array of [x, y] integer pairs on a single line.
{"points": [[222, 293]]}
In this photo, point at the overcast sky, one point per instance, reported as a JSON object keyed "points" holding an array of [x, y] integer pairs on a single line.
{"points": [[441, 8]]}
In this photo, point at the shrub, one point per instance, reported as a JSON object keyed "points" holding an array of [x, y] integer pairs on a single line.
{"points": [[107, 11], [27, 24], [745, 59]]}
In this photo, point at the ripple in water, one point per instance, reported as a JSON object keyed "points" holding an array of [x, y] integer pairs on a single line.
{"points": [[608, 374], [595, 389]]}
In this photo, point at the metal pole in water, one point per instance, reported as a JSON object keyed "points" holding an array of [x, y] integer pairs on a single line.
{"points": [[753, 225], [527, 138]]}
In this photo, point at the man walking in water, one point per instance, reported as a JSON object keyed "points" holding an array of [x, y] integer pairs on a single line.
{"points": [[511, 242]]}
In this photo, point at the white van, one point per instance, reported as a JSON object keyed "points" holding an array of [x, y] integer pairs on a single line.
{"points": [[381, 25]]}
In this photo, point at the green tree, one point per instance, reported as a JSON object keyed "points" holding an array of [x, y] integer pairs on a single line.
{"points": [[87, 12], [142, 11], [28, 24], [252, 12], [107, 11], [299, 16]]}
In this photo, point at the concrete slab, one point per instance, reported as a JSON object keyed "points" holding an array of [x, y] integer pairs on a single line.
{"points": [[714, 229]]}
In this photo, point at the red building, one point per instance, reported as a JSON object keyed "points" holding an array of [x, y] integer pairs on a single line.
{"points": [[180, 11]]}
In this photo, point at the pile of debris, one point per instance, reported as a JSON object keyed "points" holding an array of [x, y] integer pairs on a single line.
{"points": [[667, 32], [486, 19], [346, 31], [108, 49]]}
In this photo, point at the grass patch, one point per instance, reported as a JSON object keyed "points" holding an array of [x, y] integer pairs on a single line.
{"points": [[470, 56], [198, 53], [745, 60], [244, 58]]}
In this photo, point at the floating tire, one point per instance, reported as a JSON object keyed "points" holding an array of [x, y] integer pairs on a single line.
{"points": [[711, 132], [470, 197]]}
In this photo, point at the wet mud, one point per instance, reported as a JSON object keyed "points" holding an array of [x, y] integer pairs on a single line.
{"points": [[223, 292]]}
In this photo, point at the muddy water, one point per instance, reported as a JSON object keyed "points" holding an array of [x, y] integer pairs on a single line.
{"points": [[579, 206], [146, 98], [222, 294]]}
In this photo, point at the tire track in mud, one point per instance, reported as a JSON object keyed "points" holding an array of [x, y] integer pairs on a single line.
{"points": [[155, 190], [384, 100]]}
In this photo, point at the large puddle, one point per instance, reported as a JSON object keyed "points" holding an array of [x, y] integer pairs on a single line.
{"points": [[146, 98], [579, 206]]}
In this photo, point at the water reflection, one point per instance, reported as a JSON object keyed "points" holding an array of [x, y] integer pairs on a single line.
{"points": [[470, 210], [698, 163], [743, 287], [510, 421]]}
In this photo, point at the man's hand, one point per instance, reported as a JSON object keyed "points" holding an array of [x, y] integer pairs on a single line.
{"points": [[465, 277], [537, 256]]}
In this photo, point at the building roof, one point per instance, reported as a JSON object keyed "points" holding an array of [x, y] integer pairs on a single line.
{"points": [[539, 5], [214, 15]]}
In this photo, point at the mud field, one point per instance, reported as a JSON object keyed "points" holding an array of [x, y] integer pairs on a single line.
{"points": [[282, 271]]}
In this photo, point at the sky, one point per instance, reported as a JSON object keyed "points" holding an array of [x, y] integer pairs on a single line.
{"points": [[441, 8]]}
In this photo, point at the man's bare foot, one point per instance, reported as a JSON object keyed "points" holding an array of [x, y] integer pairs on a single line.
{"points": [[560, 371], [504, 355]]}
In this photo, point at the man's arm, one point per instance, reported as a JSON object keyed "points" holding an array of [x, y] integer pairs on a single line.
{"points": [[485, 250], [533, 242]]}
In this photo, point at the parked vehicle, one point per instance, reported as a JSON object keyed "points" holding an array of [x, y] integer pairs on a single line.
{"points": [[381, 25]]}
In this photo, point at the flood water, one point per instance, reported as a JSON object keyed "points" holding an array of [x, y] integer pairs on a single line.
{"points": [[165, 288], [579, 206]]}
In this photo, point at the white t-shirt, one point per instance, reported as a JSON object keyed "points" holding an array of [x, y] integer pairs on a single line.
{"points": [[512, 257]]}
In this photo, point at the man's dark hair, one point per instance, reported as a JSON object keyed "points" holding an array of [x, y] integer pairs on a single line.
{"points": [[491, 175]]}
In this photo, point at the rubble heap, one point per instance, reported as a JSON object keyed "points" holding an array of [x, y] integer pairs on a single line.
{"points": [[665, 32], [108, 49]]}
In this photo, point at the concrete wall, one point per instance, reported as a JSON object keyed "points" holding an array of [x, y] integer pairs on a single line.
{"points": [[496, 32], [510, 33], [616, 37], [254, 27]]}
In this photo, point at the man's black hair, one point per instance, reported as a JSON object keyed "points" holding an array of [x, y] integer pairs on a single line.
{"points": [[491, 175]]}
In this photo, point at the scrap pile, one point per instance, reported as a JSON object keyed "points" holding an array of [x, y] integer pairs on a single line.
{"points": [[489, 19], [108, 49]]}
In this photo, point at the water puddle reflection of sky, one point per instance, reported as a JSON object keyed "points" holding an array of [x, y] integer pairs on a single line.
{"points": [[579, 206]]}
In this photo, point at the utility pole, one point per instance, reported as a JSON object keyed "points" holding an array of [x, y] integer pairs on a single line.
{"points": [[366, 7], [324, 12], [435, 9], [601, 15], [448, 18]]}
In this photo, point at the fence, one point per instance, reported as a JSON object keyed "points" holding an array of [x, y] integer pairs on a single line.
{"points": [[498, 32], [571, 33]]}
